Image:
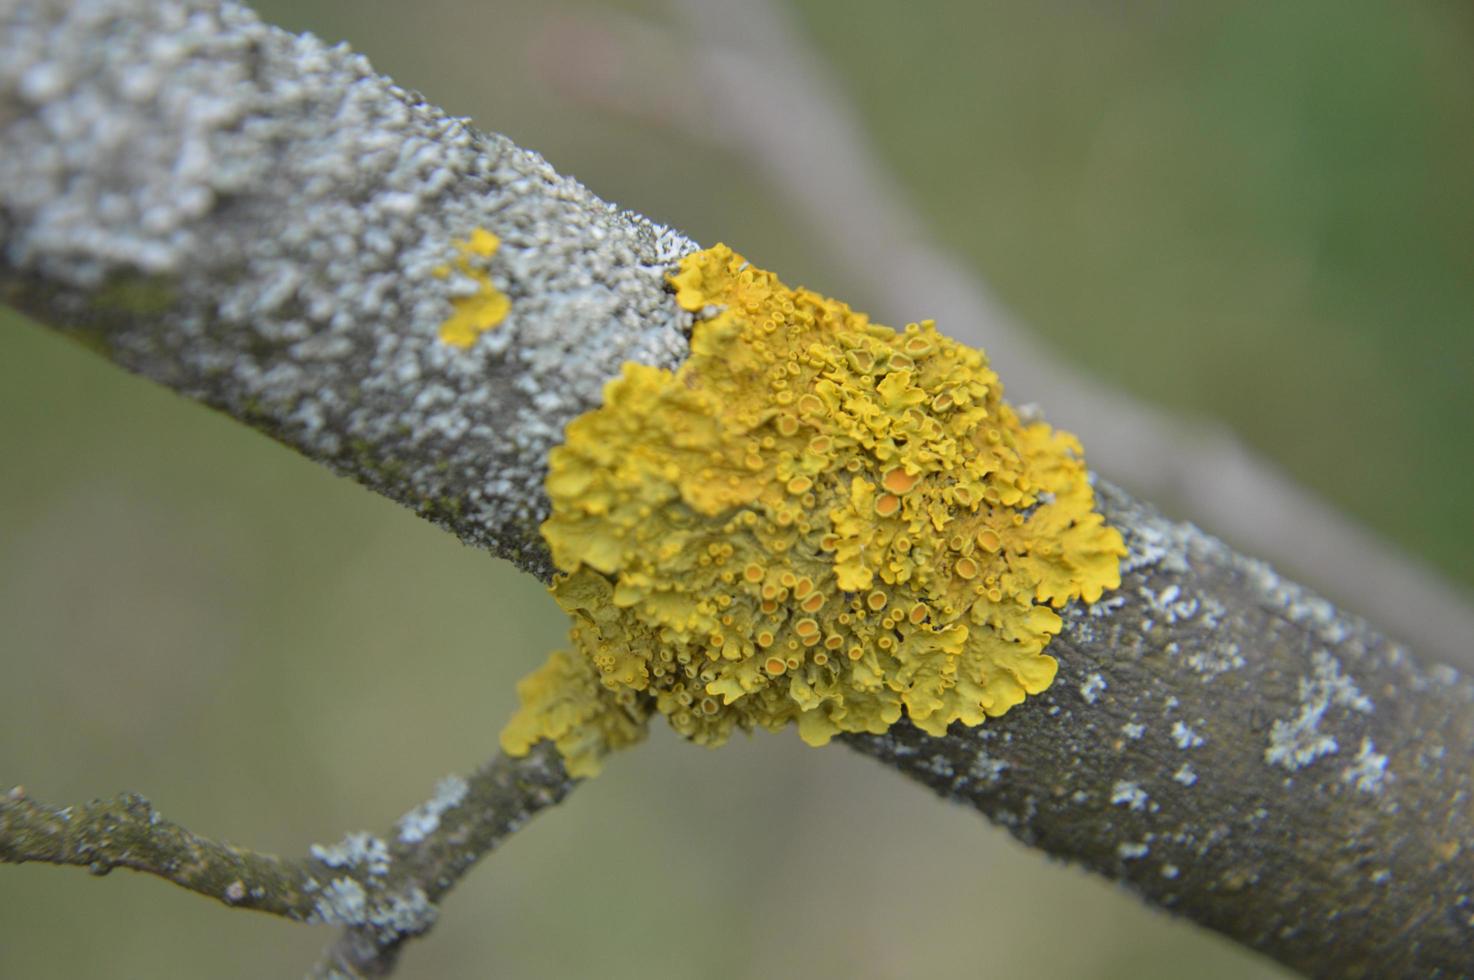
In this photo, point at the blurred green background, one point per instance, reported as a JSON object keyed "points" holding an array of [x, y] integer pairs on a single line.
{"points": [[1257, 213]]}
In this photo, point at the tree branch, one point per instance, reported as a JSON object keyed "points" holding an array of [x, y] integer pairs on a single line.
{"points": [[266, 225], [127, 832], [383, 894], [1238, 751], [256, 220], [436, 844]]}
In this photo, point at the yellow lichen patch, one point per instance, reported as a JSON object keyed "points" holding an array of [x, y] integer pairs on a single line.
{"points": [[478, 312], [562, 701], [867, 491]]}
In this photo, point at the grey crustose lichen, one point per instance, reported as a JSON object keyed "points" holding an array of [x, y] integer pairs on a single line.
{"points": [[266, 216]]}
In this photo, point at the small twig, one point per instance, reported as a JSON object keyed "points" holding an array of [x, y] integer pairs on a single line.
{"points": [[435, 845], [127, 832], [382, 893]]}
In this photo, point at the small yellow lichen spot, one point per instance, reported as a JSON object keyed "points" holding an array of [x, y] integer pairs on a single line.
{"points": [[482, 243], [474, 314], [936, 534]]}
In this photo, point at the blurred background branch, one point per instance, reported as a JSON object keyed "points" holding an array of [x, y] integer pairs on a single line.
{"points": [[755, 87]]}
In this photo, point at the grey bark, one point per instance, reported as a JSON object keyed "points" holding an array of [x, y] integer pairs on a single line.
{"points": [[257, 220], [1235, 749], [254, 220]]}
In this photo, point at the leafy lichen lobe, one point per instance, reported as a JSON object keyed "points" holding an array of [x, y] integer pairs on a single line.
{"points": [[816, 520]]}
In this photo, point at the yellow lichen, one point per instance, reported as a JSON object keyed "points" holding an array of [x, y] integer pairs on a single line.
{"points": [[562, 701], [806, 477], [473, 314]]}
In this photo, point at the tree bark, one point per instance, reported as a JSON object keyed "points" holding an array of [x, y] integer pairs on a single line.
{"points": [[1238, 751], [263, 224]]}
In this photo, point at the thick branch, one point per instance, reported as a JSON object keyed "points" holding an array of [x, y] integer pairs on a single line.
{"points": [[266, 225], [1238, 751], [382, 893], [254, 220]]}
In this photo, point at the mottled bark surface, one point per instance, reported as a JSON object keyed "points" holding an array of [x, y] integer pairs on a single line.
{"points": [[265, 224], [127, 832], [1238, 751], [255, 220]]}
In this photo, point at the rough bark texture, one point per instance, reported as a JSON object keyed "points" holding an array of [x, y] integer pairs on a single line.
{"points": [[435, 845], [264, 224], [255, 219], [127, 832], [1238, 751]]}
